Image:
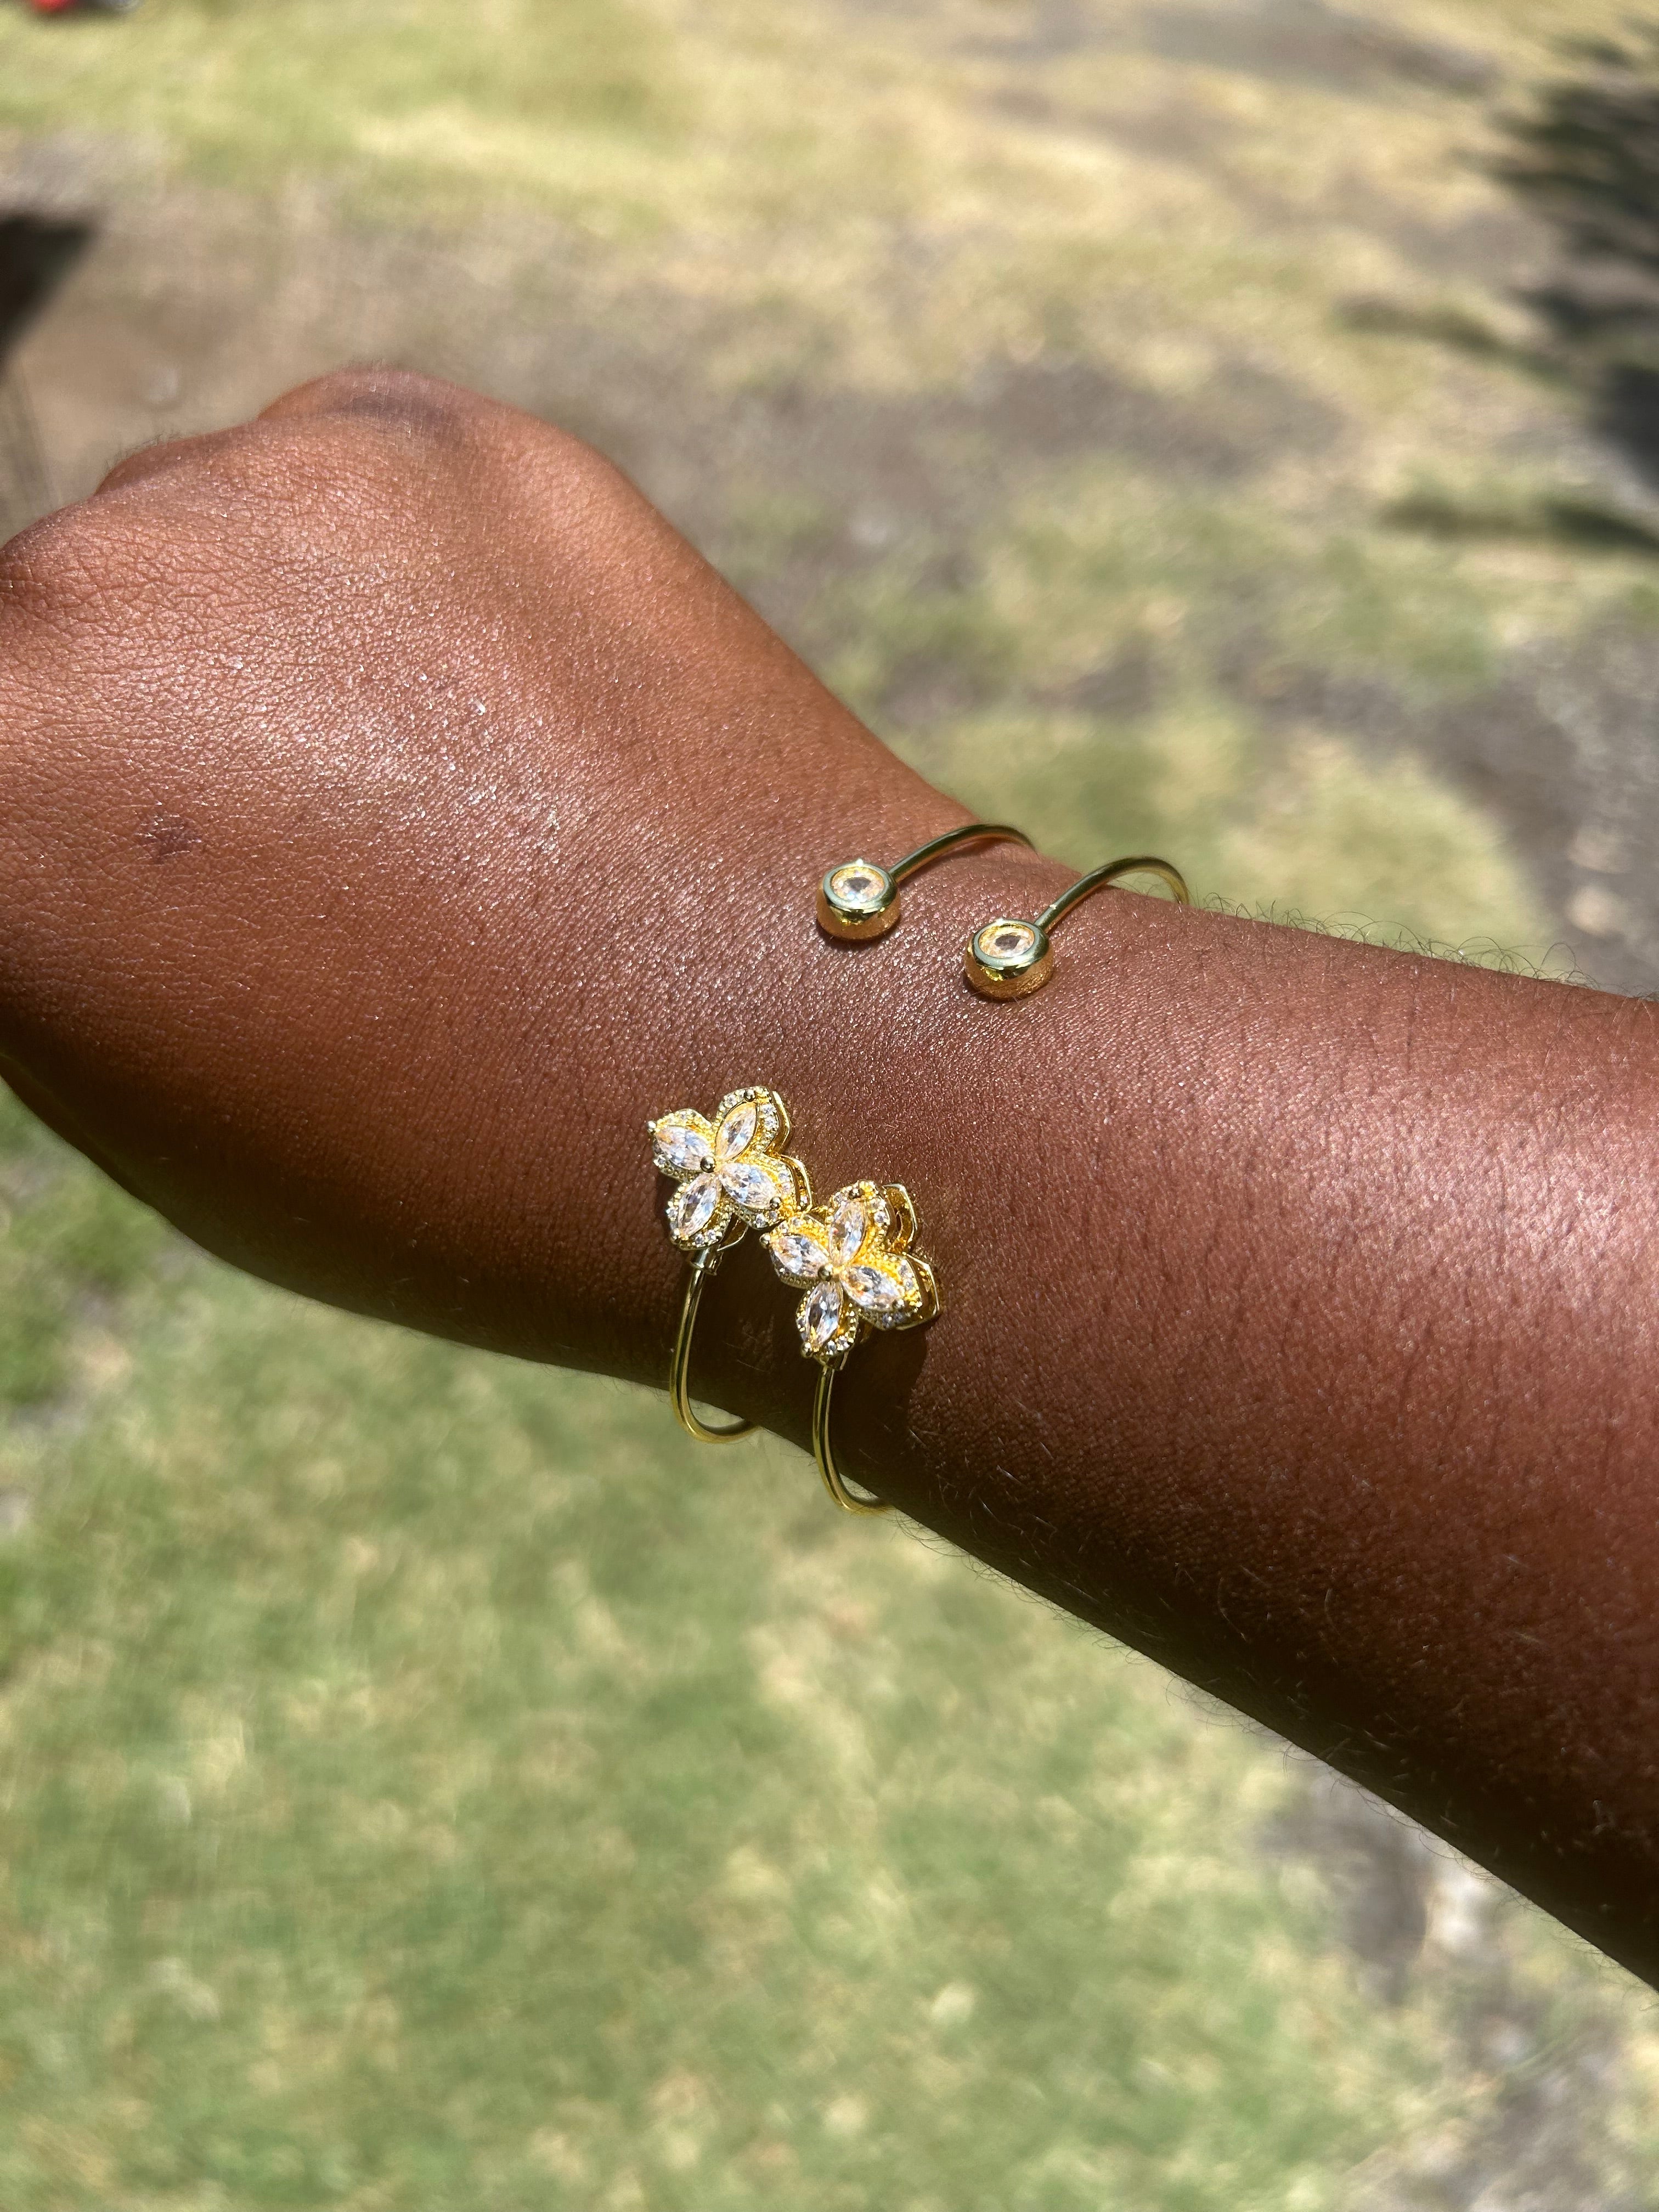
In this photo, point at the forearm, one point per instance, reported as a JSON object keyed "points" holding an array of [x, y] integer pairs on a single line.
{"points": [[399, 814], [1299, 1329]]}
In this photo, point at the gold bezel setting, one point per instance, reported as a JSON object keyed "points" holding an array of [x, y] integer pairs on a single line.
{"points": [[857, 899], [1008, 958]]}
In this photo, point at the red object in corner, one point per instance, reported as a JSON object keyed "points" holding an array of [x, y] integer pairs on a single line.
{"points": [[51, 7]]}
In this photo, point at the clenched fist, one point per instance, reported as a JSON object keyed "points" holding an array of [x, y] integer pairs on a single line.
{"points": [[397, 812]]}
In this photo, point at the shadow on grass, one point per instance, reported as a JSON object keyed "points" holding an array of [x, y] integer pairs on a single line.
{"points": [[1584, 524], [1586, 158], [35, 255]]}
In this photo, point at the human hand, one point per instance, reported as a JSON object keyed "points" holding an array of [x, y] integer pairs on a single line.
{"points": [[398, 811]]}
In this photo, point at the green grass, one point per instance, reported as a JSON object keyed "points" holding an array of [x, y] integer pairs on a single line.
{"points": [[1103, 577], [429, 1782], [241, 91]]}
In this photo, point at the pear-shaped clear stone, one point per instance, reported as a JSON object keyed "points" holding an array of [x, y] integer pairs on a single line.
{"points": [[846, 1227], [750, 1188], [875, 1290], [798, 1255], [737, 1130], [691, 1208], [822, 1317], [680, 1148]]}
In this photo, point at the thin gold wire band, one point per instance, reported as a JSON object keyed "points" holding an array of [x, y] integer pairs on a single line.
{"points": [[853, 1257], [679, 1373], [858, 900], [989, 833], [679, 1387], [1010, 959], [1141, 863], [823, 1449], [823, 1453]]}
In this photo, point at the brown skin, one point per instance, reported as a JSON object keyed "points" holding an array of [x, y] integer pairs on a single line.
{"points": [[399, 812]]}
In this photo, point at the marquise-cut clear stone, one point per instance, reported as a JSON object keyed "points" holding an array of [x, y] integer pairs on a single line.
{"points": [[846, 1227], [737, 1130], [823, 1315], [876, 1291], [691, 1208], [680, 1148], [750, 1188], [797, 1256]]}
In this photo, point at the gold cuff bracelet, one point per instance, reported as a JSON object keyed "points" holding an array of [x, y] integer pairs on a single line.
{"points": [[860, 899], [1010, 959], [853, 1258]]}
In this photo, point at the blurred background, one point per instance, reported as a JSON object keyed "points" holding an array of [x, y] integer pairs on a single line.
{"points": [[1229, 427]]}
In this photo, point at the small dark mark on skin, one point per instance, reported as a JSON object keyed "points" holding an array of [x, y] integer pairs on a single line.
{"points": [[168, 834]]}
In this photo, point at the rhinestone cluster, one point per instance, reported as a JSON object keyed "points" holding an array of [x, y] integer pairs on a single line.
{"points": [[851, 1257], [733, 1172]]}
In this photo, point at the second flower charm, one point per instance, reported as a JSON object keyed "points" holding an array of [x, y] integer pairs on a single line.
{"points": [[851, 1257]]}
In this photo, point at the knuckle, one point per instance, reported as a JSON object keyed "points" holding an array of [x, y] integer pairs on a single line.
{"points": [[399, 398], [153, 459], [387, 428], [386, 422], [49, 573], [564, 476], [87, 593]]}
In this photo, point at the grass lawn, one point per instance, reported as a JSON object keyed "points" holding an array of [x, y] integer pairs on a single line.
{"points": [[429, 1782]]}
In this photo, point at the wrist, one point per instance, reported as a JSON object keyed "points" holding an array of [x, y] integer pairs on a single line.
{"points": [[895, 1070]]}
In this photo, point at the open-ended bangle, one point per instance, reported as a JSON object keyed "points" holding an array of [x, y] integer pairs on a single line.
{"points": [[860, 899], [853, 1258], [1010, 959]]}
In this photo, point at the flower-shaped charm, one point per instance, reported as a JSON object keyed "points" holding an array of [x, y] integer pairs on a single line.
{"points": [[733, 1172], [851, 1256]]}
